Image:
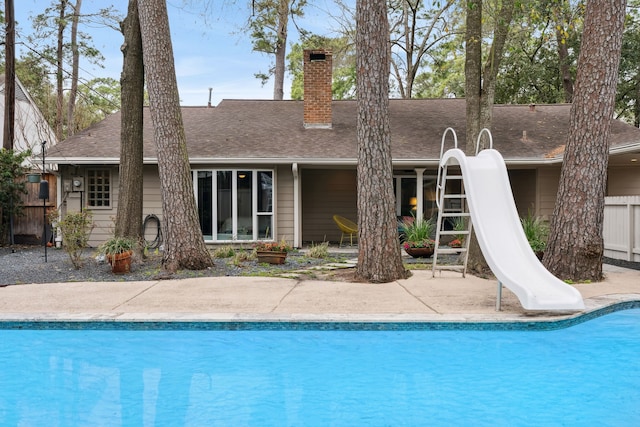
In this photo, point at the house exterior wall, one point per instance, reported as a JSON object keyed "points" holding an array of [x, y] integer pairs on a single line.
{"points": [[547, 190], [623, 181], [284, 204], [72, 201], [104, 218], [326, 193], [523, 187]]}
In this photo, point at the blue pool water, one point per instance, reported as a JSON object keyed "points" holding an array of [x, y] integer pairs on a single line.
{"points": [[584, 375]]}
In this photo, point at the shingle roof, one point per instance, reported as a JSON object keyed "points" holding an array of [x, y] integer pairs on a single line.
{"points": [[265, 130]]}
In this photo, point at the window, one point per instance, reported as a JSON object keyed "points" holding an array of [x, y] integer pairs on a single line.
{"points": [[235, 204], [99, 188], [405, 187]]}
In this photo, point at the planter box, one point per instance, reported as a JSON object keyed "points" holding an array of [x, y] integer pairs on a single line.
{"points": [[271, 257], [419, 252]]}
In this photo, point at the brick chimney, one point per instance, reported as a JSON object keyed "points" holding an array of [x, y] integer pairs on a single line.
{"points": [[317, 89]]}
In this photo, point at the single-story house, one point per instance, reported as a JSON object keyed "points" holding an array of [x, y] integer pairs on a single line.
{"points": [[265, 169]]}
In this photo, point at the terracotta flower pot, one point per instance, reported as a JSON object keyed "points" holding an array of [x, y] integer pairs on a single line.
{"points": [[120, 263], [271, 257]]}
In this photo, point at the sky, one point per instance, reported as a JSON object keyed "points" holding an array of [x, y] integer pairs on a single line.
{"points": [[210, 48]]}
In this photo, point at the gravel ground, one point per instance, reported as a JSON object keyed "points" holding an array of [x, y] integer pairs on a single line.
{"points": [[26, 264]]}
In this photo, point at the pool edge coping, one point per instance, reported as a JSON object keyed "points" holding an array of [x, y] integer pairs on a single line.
{"points": [[596, 307]]}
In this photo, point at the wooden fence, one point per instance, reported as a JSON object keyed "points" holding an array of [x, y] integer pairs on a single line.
{"points": [[28, 228], [621, 230]]}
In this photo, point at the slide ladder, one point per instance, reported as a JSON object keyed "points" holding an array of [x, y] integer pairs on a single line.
{"points": [[452, 209], [485, 200]]}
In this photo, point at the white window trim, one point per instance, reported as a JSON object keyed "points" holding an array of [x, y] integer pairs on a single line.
{"points": [[87, 186], [234, 202]]}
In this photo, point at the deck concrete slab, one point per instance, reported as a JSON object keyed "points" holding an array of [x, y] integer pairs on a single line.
{"points": [[341, 298], [447, 297], [211, 295]]}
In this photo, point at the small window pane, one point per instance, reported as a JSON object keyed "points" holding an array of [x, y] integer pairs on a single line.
{"points": [[265, 191], [99, 189], [223, 199]]}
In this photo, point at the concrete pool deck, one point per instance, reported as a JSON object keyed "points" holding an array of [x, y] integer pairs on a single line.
{"points": [[420, 298]]}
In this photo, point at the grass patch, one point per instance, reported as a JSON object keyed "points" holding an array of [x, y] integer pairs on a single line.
{"points": [[418, 266], [319, 251], [224, 252]]}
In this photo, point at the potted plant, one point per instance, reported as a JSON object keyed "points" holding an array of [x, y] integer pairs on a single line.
{"points": [[118, 251], [537, 233], [272, 252], [417, 237], [459, 224]]}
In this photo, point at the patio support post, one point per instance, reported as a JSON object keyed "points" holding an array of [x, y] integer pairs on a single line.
{"points": [[297, 241], [420, 192]]}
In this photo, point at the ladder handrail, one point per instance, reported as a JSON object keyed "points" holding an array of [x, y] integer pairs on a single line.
{"points": [[478, 140], [455, 145]]}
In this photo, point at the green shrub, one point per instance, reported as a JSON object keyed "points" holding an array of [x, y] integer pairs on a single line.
{"points": [[418, 232], [536, 231], [76, 228], [242, 256], [460, 224], [319, 251], [224, 252], [117, 245], [12, 187]]}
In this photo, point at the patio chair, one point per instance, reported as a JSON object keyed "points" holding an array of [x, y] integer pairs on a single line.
{"points": [[346, 226]]}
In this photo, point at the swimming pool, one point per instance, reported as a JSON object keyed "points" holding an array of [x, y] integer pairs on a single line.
{"points": [[588, 374]]}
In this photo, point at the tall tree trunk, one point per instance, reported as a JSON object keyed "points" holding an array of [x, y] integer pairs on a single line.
{"points": [[75, 65], [565, 71], [492, 65], [480, 88], [379, 258], [59, 70], [560, 13], [473, 73], [281, 50], [636, 105], [9, 77], [575, 246], [473, 97], [183, 241], [129, 214]]}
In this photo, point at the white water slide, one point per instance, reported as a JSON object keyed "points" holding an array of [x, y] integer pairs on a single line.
{"points": [[501, 237]]}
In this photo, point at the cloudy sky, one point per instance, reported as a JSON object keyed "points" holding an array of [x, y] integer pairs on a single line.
{"points": [[210, 48]]}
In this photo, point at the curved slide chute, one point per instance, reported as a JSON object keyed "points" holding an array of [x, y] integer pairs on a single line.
{"points": [[500, 235]]}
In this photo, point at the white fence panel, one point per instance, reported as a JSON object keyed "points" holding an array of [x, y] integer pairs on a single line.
{"points": [[621, 228]]}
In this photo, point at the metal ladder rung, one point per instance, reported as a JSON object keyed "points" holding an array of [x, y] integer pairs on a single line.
{"points": [[455, 196], [455, 214], [451, 250], [450, 267], [453, 232], [454, 176]]}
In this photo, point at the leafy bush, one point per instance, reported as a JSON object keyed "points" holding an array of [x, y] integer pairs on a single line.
{"points": [[460, 224], [76, 228], [319, 251], [418, 232], [224, 252], [11, 188], [117, 245], [281, 246], [537, 232]]}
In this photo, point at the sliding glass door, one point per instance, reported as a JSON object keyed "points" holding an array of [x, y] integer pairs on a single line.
{"points": [[240, 208]]}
